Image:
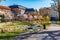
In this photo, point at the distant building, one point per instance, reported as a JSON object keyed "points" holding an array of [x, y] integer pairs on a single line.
{"points": [[54, 7], [23, 13], [45, 11], [32, 12], [6, 11], [29, 10], [17, 9]]}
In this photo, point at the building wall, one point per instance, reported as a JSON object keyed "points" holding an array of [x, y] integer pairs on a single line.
{"points": [[7, 13], [55, 14], [54, 8], [22, 11], [15, 10], [18, 11]]}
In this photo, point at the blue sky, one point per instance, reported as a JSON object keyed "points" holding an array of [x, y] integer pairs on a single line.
{"points": [[28, 3]]}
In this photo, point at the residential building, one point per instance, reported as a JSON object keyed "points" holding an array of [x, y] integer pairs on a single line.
{"points": [[6, 11], [17, 9], [21, 12], [54, 7]]}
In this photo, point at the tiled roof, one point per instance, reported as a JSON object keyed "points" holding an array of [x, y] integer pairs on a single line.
{"points": [[4, 7]]}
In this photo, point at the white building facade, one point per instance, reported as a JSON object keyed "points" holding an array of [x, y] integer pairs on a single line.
{"points": [[54, 7]]}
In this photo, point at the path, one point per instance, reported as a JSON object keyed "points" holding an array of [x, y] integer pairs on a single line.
{"points": [[53, 27], [52, 33]]}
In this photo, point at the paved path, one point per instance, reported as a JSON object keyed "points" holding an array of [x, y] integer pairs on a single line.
{"points": [[52, 33], [53, 27]]}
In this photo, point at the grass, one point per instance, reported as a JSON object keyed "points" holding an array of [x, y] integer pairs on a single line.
{"points": [[10, 36], [58, 22], [20, 23], [47, 25]]}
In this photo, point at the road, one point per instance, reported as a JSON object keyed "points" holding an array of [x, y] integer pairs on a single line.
{"points": [[52, 33]]}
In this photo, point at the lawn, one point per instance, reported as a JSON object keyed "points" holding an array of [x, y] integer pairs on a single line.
{"points": [[14, 29], [58, 22], [20, 23], [10, 36], [10, 31], [47, 25]]}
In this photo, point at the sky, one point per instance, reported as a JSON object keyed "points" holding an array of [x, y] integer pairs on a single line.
{"points": [[36, 4]]}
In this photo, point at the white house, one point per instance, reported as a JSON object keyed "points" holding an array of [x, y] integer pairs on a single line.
{"points": [[54, 7]]}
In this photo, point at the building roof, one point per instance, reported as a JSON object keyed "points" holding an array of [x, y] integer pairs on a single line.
{"points": [[4, 7], [16, 6], [29, 10]]}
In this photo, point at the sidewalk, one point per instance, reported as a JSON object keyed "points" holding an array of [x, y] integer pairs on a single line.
{"points": [[53, 27], [52, 33]]}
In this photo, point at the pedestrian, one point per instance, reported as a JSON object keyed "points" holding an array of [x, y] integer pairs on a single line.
{"points": [[44, 26]]}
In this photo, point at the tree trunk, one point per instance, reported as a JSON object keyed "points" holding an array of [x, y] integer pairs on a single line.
{"points": [[59, 15]]}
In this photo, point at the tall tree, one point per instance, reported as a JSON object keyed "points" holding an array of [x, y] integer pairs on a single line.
{"points": [[59, 9]]}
